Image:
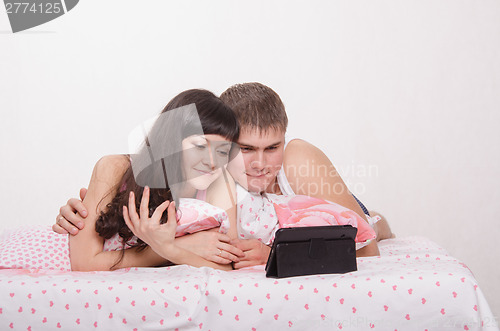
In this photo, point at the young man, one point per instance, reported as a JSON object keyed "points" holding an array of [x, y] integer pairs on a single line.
{"points": [[272, 165]]}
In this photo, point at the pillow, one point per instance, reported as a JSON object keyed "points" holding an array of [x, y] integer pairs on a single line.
{"points": [[301, 210], [34, 247], [198, 215]]}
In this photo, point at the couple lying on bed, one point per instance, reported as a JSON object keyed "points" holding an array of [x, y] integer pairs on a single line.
{"points": [[135, 197]]}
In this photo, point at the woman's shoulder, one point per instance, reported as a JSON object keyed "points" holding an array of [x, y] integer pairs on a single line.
{"points": [[110, 166], [115, 161]]}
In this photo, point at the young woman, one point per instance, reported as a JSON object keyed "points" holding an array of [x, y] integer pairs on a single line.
{"points": [[179, 159]]}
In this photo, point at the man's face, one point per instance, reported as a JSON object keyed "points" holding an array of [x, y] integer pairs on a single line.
{"points": [[260, 159]]}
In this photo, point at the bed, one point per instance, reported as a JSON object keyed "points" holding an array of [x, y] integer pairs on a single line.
{"points": [[413, 285]]}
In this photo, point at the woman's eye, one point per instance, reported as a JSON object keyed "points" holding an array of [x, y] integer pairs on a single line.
{"points": [[223, 153], [200, 146]]}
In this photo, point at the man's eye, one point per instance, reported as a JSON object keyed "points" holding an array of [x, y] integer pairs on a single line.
{"points": [[245, 149], [272, 147], [200, 146]]}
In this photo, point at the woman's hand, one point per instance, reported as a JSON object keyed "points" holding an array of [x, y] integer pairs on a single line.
{"points": [[211, 245], [160, 237], [255, 252]]}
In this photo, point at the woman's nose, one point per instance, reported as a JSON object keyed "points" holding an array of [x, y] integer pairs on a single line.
{"points": [[208, 159]]}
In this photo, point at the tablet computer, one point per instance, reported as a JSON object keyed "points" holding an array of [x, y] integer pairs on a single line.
{"points": [[312, 250]]}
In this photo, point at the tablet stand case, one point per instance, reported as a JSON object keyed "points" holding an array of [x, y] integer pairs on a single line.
{"points": [[312, 250]]}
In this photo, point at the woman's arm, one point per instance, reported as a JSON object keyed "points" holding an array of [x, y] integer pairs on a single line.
{"points": [[86, 252], [86, 246], [86, 249], [222, 194]]}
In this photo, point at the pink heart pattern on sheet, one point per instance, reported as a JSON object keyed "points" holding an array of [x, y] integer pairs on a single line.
{"points": [[184, 297]]}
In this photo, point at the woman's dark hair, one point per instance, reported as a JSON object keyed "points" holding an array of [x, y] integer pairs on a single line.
{"points": [[178, 120]]}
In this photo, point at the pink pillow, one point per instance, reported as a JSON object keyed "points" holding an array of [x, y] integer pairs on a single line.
{"points": [[198, 215], [301, 210], [34, 247]]}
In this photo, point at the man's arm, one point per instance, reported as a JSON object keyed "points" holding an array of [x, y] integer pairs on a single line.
{"points": [[310, 172]]}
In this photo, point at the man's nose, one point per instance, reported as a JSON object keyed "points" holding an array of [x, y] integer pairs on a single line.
{"points": [[258, 161]]}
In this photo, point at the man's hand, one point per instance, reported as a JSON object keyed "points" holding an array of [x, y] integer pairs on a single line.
{"points": [[255, 252], [71, 216]]}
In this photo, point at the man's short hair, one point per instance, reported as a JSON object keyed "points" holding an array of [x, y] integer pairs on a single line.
{"points": [[257, 107]]}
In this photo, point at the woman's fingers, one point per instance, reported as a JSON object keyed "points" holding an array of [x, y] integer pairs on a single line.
{"points": [[220, 260], [132, 211], [160, 210], [230, 252], [226, 253], [144, 207], [171, 212], [226, 245], [220, 256], [127, 220], [171, 217], [222, 237]]}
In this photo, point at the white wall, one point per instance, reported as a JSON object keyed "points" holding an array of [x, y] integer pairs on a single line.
{"points": [[409, 90]]}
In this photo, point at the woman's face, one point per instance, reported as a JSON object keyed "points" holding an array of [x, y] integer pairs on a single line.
{"points": [[202, 159]]}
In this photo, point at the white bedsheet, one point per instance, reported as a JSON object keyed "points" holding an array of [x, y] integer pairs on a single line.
{"points": [[414, 285]]}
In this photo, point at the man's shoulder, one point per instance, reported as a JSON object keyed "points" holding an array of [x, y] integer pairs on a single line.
{"points": [[300, 154], [298, 148]]}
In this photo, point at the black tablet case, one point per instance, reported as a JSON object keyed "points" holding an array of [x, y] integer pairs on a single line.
{"points": [[312, 250]]}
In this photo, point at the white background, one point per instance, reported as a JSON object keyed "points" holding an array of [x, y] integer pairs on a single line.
{"points": [[403, 96]]}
